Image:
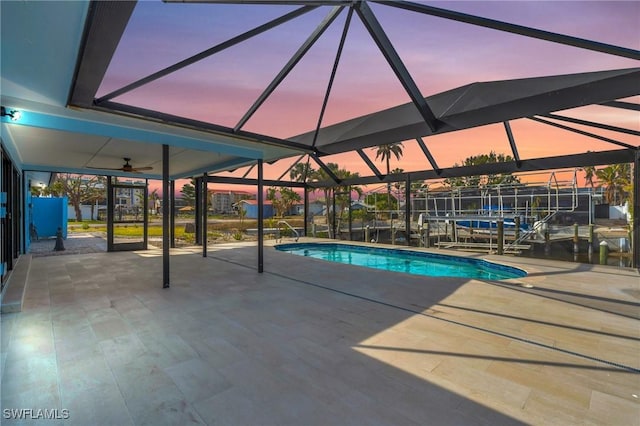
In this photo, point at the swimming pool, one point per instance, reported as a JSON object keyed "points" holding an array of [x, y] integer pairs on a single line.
{"points": [[410, 262]]}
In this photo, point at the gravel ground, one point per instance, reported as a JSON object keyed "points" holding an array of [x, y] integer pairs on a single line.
{"points": [[76, 243]]}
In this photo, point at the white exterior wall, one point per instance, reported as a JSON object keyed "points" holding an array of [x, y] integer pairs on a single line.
{"points": [[619, 212], [85, 209]]}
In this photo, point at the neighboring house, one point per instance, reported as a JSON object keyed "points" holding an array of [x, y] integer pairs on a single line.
{"points": [[361, 205], [295, 210], [129, 197], [316, 207], [223, 201], [85, 209], [250, 208]]}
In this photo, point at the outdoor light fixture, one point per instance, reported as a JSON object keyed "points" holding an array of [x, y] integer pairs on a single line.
{"points": [[14, 114]]}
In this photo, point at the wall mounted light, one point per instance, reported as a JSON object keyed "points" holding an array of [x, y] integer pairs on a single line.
{"points": [[14, 114]]}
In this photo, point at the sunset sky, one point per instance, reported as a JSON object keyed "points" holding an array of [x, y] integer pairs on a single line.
{"points": [[439, 54]]}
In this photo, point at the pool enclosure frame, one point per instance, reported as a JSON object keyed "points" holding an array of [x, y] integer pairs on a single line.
{"points": [[465, 107]]}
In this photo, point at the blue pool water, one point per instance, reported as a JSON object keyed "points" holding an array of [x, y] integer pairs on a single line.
{"points": [[410, 262]]}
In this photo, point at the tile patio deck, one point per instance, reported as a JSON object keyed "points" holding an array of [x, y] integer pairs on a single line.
{"points": [[311, 343]]}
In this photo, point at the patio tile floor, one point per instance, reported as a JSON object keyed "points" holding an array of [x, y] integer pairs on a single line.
{"points": [[309, 343]]}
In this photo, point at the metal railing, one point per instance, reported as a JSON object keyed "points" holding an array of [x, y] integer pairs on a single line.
{"points": [[284, 222]]}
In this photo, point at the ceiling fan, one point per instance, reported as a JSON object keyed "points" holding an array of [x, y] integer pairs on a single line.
{"points": [[126, 167]]}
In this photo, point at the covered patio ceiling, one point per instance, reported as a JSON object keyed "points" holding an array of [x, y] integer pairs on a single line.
{"points": [[68, 67]]}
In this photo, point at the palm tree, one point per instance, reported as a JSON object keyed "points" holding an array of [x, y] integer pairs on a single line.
{"points": [[153, 201], [480, 181], [589, 174], [300, 171], [614, 178], [321, 175], [399, 186], [384, 152]]}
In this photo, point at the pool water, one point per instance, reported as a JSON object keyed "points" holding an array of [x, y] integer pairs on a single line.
{"points": [[410, 262]]}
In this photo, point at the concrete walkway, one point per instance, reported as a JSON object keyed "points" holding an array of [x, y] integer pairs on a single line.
{"points": [[312, 343], [76, 243]]}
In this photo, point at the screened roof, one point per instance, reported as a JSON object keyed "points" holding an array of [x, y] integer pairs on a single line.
{"points": [[225, 82]]}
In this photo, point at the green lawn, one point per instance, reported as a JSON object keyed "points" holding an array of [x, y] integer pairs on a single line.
{"points": [[217, 229]]}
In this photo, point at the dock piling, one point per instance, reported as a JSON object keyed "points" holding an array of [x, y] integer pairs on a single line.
{"points": [[604, 252], [500, 237]]}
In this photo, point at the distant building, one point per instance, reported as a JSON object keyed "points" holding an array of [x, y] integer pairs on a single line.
{"points": [[250, 208], [222, 201], [316, 207], [361, 205]]}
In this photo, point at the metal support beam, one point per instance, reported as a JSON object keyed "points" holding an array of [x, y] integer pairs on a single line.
{"points": [[350, 217], [145, 214], [515, 29], [240, 181], [582, 132], [260, 217], [248, 171], [320, 29], [327, 170], [407, 209], [166, 212], [205, 202], [623, 105], [198, 210], [334, 70], [290, 167], [172, 212], [333, 214], [427, 154], [617, 156], [592, 124], [305, 172], [512, 143], [110, 213], [388, 51], [372, 166], [206, 53], [636, 211], [103, 29], [306, 211], [225, 131]]}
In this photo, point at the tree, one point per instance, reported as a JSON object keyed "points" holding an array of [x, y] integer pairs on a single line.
{"points": [[35, 191], [589, 174], [153, 201], [480, 181], [382, 203], [342, 199], [384, 152], [79, 189], [301, 171], [400, 185], [97, 194], [615, 179], [282, 199], [188, 192], [321, 175], [419, 187]]}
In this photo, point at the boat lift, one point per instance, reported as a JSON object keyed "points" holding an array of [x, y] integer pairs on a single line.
{"points": [[469, 218]]}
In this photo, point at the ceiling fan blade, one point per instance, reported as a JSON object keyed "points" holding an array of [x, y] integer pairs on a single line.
{"points": [[127, 168], [102, 168]]}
